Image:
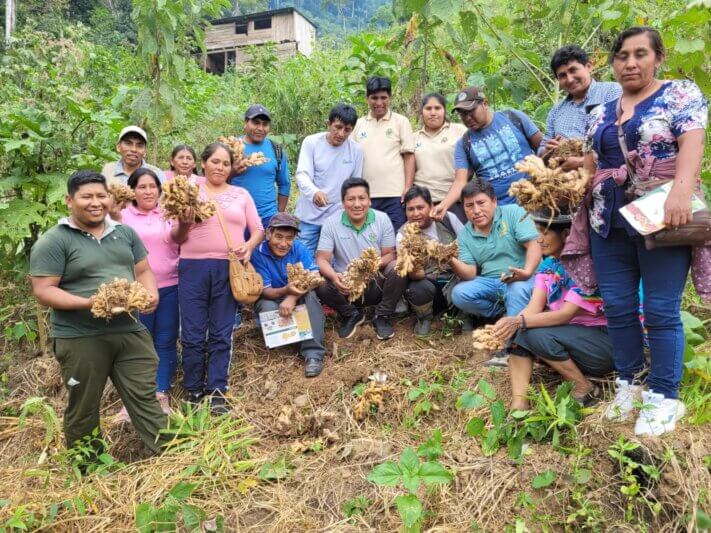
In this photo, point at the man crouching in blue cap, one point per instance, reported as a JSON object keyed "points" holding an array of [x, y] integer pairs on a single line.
{"points": [[270, 259]]}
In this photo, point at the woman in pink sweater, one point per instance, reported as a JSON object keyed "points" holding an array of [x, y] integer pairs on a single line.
{"points": [[204, 289]]}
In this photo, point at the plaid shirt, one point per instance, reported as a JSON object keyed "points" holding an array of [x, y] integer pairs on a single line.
{"points": [[568, 119]]}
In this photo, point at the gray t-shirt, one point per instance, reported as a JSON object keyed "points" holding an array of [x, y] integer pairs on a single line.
{"points": [[323, 167], [346, 243], [431, 231]]}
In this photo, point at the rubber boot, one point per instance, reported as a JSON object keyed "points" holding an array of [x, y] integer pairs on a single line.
{"points": [[424, 314]]}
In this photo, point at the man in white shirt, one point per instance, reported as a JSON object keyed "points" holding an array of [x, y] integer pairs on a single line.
{"points": [[326, 160]]}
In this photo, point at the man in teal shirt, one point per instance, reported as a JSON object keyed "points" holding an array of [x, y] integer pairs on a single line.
{"points": [[498, 255]]}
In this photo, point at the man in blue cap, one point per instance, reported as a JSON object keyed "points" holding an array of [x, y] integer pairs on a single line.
{"points": [[260, 180]]}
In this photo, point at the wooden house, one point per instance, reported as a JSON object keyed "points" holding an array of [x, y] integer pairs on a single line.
{"points": [[227, 38]]}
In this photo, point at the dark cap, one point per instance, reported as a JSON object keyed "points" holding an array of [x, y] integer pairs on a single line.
{"points": [[468, 98], [284, 220], [257, 110]]}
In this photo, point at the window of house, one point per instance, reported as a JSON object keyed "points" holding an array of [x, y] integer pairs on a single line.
{"points": [[241, 28], [263, 23]]}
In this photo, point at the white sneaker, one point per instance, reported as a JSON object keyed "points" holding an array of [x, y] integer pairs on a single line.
{"points": [[658, 414], [501, 360], [623, 404]]}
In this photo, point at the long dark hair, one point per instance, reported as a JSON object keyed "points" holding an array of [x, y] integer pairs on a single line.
{"points": [[440, 98], [137, 174]]}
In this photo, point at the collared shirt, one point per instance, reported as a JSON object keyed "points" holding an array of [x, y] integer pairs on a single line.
{"points": [[503, 246], [569, 119], [434, 157], [154, 231], [114, 172], [261, 180], [345, 242], [323, 167], [82, 262], [384, 141], [273, 268]]}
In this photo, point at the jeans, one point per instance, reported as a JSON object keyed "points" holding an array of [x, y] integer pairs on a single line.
{"points": [[491, 297], [309, 235], [391, 207], [620, 261], [208, 311], [310, 348], [163, 327]]}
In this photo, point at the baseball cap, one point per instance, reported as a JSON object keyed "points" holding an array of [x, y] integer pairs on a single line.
{"points": [[256, 110], [468, 98], [284, 220], [133, 129]]}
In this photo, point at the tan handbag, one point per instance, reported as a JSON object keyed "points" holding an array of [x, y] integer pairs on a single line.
{"points": [[245, 281]]}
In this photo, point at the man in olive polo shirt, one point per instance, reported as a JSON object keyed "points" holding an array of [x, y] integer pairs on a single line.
{"points": [[67, 265], [498, 256], [388, 151], [131, 145], [344, 236]]}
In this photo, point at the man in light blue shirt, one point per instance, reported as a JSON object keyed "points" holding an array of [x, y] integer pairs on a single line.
{"points": [[326, 160], [568, 118]]}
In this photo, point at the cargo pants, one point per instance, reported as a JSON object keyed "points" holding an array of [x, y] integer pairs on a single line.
{"points": [[130, 360]]}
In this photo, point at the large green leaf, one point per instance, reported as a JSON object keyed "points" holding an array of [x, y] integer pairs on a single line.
{"points": [[434, 473], [410, 508], [387, 474], [445, 10]]}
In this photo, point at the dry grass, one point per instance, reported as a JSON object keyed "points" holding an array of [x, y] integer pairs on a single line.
{"points": [[310, 498]]}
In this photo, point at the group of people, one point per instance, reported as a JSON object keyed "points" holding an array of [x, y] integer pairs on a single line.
{"points": [[561, 288]]}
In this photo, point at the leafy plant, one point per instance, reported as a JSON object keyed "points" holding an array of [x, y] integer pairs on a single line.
{"points": [[171, 512], [426, 396], [696, 389], [411, 474], [450, 323], [355, 506], [369, 57]]}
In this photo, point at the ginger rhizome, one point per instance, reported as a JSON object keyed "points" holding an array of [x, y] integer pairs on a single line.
{"points": [[236, 146], [372, 400], [565, 149], [441, 254], [180, 194], [120, 296], [412, 254], [360, 271], [121, 193], [485, 340], [548, 188], [302, 279]]}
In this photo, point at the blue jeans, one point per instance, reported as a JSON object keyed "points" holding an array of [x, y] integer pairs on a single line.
{"points": [[208, 312], [163, 327], [491, 297], [620, 262], [309, 235], [391, 207]]}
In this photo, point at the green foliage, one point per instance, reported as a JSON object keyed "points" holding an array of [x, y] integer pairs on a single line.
{"points": [[355, 506], [696, 390], [369, 57], [171, 512], [425, 396], [275, 471], [411, 473]]}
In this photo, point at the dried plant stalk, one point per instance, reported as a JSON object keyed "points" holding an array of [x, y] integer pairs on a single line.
{"points": [[412, 254], [121, 193], [442, 253], [372, 399], [548, 188], [360, 271], [302, 279], [180, 194], [484, 339], [120, 296], [236, 146], [566, 148]]}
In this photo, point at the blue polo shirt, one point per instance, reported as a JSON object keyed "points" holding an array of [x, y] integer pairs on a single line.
{"points": [[273, 269]]}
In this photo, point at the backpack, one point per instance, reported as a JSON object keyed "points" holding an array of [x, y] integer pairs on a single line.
{"points": [[513, 118]]}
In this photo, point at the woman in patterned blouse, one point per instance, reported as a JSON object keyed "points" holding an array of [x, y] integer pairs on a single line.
{"points": [[664, 126]]}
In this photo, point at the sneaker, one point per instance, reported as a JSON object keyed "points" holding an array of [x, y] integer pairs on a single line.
{"points": [[658, 414], [589, 399], [498, 358], [164, 402], [194, 398], [423, 327], [383, 328], [623, 404], [219, 405], [347, 330], [122, 416], [312, 367]]}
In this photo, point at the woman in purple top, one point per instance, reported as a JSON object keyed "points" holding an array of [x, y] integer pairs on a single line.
{"points": [[664, 124], [563, 327]]}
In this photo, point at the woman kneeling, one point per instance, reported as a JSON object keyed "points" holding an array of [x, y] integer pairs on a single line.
{"points": [[562, 326]]}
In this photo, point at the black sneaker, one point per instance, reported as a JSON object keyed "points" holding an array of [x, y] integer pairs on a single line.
{"points": [[383, 329], [349, 327], [312, 367], [219, 405], [194, 398]]}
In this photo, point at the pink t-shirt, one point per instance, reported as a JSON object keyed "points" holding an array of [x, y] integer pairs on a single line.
{"points": [[592, 314], [170, 174], [206, 240], [155, 233]]}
